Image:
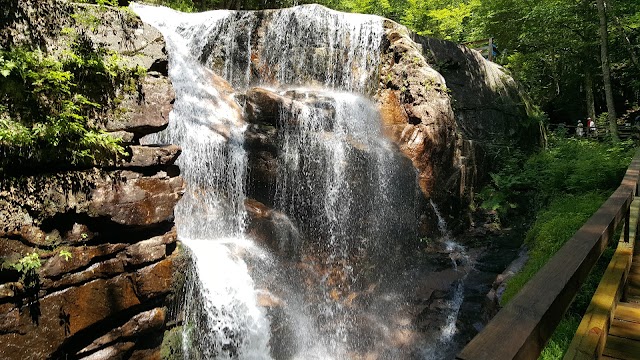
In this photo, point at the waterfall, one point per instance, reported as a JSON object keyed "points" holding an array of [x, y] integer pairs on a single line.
{"points": [[210, 217], [459, 258], [335, 173], [346, 196]]}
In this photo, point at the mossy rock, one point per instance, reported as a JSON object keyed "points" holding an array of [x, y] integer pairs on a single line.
{"points": [[171, 348]]}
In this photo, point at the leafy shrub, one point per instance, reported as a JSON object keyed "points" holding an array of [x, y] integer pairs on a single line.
{"points": [[47, 104], [568, 167], [557, 190], [28, 268]]}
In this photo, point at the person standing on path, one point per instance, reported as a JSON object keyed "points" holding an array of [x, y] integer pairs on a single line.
{"points": [[580, 129], [592, 126]]}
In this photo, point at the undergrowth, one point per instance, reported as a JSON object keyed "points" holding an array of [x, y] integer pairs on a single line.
{"points": [[554, 225], [556, 190], [48, 104]]}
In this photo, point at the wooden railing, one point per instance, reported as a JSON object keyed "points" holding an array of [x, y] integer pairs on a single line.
{"points": [[589, 340], [521, 329], [486, 47]]}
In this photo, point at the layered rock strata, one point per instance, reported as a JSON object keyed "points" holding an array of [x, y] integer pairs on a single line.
{"points": [[89, 255]]}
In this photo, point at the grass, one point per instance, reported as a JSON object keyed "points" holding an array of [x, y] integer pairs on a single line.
{"points": [[552, 228]]}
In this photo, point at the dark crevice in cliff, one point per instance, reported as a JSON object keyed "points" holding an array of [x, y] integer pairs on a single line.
{"points": [[8, 275], [39, 169], [104, 276], [149, 171], [103, 229], [22, 240], [120, 256]]}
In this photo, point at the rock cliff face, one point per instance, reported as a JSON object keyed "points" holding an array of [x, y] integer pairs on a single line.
{"points": [[88, 255], [444, 105]]}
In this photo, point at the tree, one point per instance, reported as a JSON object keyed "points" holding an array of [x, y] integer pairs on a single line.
{"points": [[606, 71]]}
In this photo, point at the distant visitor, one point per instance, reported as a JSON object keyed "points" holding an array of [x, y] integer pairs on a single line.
{"points": [[580, 129]]}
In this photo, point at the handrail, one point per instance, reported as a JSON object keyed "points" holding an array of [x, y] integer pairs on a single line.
{"points": [[590, 338], [521, 329]]}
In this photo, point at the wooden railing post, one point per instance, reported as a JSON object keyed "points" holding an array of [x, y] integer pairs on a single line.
{"points": [[490, 49]]}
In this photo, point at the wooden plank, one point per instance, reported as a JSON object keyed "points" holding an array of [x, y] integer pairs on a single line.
{"points": [[633, 300], [633, 285], [521, 329], [633, 291], [634, 278], [635, 269], [592, 331], [637, 306], [625, 329], [628, 312], [622, 348]]}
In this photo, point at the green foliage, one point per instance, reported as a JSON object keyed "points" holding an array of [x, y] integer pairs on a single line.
{"points": [[65, 254], [113, 3], [557, 189], [561, 338], [29, 263], [180, 5], [107, 2], [553, 227], [47, 103], [568, 167], [444, 19], [171, 348], [28, 267]]}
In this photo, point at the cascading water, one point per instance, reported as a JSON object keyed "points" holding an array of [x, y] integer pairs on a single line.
{"points": [[460, 262], [334, 163], [342, 190], [209, 129]]}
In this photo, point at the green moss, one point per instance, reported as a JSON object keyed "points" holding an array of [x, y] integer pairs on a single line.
{"points": [[171, 348]]}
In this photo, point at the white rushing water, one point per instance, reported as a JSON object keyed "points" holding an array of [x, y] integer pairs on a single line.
{"points": [[338, 188], [211, 218], [459, 261]]}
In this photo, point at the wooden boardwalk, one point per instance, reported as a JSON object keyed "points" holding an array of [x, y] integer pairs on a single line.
{"points": [[623, 339], [610, 328]]}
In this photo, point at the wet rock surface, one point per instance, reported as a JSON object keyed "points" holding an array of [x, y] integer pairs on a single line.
{"points": [[97, 245], [444, 105]]}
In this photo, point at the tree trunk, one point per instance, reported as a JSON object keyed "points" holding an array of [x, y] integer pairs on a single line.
{"points": [[588, 89], [606, 71]]}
